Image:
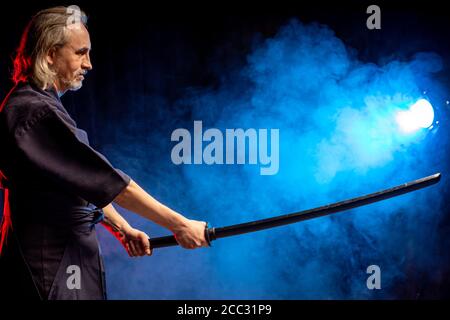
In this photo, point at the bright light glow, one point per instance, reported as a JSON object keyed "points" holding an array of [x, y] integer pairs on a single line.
{"points": [[419, 115]]}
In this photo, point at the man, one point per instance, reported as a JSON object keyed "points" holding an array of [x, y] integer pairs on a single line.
{"points": [[55, 182]]}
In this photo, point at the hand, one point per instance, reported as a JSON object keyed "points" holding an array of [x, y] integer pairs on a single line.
{"points": [[135, 242], [191, 234]]}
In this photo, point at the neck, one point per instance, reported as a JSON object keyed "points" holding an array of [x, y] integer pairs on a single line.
{"points": [[58, 90]]}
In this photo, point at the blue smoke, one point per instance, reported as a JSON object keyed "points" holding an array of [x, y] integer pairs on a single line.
{"points": [[338, 139]]}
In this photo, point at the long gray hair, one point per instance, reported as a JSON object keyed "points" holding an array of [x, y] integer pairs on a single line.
{"points": [[47, 30]]}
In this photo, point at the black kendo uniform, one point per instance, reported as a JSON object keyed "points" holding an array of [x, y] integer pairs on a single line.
{"points": [[56, 184]]}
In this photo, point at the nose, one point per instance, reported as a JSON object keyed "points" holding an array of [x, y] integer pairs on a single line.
{"points": [[87, 65]]}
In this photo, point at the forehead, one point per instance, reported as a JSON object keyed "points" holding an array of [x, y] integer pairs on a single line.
{"points": [[78, 37]]}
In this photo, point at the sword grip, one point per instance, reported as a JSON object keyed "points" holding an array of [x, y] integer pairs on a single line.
{"points": [[162, 242], [169, 241]]}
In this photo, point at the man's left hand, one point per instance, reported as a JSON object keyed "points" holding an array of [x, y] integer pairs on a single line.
{"points": [[136, 242]]}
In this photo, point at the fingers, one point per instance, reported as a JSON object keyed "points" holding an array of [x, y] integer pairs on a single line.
{"points": [[145, 245], [185, 243], [194, 236], [192, 244], [134, 251], [205, 242], [139, 246], [127, 247]]}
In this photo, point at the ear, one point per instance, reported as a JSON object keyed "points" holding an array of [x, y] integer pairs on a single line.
{"points": [[51, 54]]}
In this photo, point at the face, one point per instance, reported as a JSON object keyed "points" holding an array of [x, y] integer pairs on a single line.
{"points": [[71, 62]]}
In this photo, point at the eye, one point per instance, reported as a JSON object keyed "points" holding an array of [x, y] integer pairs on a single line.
{"points": [[81, 52]]}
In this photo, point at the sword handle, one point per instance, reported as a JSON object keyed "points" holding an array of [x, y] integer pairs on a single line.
{"points": [[169, 241], [162, 242]]}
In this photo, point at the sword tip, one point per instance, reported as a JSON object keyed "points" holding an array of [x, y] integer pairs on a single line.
{"points": [[436, 176]]}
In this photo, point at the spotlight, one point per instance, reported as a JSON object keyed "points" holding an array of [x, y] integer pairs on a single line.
{"points": [[419, 115]]}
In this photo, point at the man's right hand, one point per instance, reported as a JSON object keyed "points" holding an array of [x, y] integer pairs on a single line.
{"points": [[191, 234]]}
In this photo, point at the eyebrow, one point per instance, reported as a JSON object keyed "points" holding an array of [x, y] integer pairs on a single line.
{"points": [[83, 50]]}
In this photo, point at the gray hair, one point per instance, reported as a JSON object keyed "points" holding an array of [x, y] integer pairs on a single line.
{"points": [[48, 29]]}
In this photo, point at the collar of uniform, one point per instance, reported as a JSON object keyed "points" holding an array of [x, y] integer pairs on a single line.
{"points": [[52, 91]]}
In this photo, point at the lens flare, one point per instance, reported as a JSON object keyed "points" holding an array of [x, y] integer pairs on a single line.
{"points": [[419, 115]]}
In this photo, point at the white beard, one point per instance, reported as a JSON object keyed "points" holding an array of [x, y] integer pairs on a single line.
{"points": [[73, 85]]}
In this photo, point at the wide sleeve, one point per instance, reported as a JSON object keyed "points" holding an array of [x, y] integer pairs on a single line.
{"points": [[49, 144]]}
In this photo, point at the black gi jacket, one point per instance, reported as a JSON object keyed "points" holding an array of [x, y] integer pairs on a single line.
{"points": [[56, 182]]}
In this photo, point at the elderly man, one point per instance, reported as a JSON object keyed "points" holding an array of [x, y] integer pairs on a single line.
{"points": [[56, 186]]}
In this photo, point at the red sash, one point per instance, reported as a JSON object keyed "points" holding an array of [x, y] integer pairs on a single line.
{"points": [[6, 220]]}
